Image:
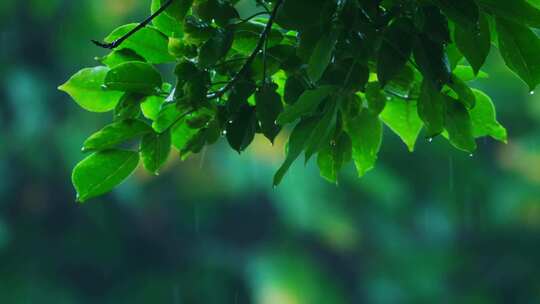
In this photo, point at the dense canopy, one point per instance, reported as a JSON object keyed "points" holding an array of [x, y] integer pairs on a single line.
{"points": [[329, 73]]}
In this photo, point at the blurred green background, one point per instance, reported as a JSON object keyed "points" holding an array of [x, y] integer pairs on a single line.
{"points": [[434, 226]]}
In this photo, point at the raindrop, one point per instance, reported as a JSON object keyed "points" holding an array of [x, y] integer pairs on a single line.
{"points": [[430, 139], [471, 155], [224, 132], [104, 86], [230, 121], [531, 92]]}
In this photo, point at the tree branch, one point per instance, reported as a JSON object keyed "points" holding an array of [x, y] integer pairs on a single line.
{"points": [[251, 58], [141, 25]]}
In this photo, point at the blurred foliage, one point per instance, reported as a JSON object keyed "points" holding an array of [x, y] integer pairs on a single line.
{"points": [[428, 227]]}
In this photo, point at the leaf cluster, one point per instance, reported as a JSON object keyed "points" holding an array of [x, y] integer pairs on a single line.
{"points": [[330, 74]]}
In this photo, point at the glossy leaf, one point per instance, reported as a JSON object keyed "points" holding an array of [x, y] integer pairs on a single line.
{"points": [[241, 131], [402, 118], [100, 172], [365, 131], [134, 77], [474, 43], [375, 98], [297, 141], [116, 133], [306, 104], [458, 124], [431, 109], [463, 12], [155, 149], [520, 11], [463, 91], [519, 48], [484, 121], [395, 51], [149, 43], [322, 54], [432, 61], [269, 106], [323, 130], [86, 88], [333, 156]]}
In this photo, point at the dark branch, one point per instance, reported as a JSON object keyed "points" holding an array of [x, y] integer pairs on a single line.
{"points": [[141, 25], [251, 58]]}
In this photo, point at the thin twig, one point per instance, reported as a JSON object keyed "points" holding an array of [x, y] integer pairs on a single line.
{"points": [[141, 25]]}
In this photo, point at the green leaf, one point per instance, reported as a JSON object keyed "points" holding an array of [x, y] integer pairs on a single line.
{"points": [[463, 91], [165, 22], [463, 12], [365, 131], [155, 149], [115, 58], [431, 109], [269, 106], [246, 37], [241, 131], [323, 130], [182, 134], [86, 88], [395, 51], [166, 118], [435, 24], [116, 133], [432, 60], [215, 48], [466, 73], [322, 55], [333, 156], [134, 77], [128, 107], [303, 14], [151, 106], [519, 47], [294, 88], [100, 172], [519, 11], [484, 120], [402, 118], [148, 42], [458, 124], [239, 95], [475, 43], [375, 98], [307, 103], [178, 9], [297, 142]]}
